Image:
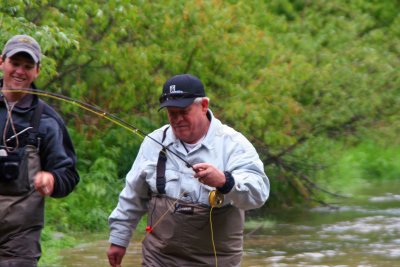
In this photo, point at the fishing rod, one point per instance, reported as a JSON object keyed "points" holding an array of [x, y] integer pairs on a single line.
{"points": [[97, 111], [215, 197]]}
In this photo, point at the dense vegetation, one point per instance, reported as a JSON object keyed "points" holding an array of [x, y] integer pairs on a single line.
{"points": [[308, 82]]}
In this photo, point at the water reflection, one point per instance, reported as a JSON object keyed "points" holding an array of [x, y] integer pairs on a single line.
{"points": [[364, 232]]}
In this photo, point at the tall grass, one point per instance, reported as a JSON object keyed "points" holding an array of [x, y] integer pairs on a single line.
{"points": [[356, 166]]}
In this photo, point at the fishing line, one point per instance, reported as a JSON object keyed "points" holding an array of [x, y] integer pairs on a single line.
{"points": [[99, 112], [212, 237]]}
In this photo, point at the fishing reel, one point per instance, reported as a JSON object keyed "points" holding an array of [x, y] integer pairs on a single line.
{"points": [[215, 198]]}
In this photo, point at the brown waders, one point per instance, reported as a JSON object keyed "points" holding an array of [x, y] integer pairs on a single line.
{"points": [[21, 206], [182, 236], [21, 220]]}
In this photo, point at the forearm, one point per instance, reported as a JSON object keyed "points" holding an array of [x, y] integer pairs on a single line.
{"points": [[65, 180], [122, 226], [132, 204], [120, 233], [250, 191]]}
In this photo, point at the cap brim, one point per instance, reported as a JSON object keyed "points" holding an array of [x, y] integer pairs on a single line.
{"points": [[23, 50], [178, 103]]}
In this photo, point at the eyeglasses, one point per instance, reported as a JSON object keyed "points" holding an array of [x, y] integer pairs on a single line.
{"points": [[174, 96]]}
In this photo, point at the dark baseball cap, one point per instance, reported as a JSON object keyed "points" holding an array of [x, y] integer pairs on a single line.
{"points": [[181, 90], [23, 43]]}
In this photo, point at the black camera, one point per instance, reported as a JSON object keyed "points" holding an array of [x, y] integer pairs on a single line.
{"points": [[9, 166]]}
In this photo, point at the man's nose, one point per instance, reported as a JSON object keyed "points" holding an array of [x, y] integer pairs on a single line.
{"points": [[177, 117], [20, 69]]}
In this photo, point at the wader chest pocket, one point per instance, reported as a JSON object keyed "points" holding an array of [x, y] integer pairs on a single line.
{"points": [[11, 181], [9, 166]]}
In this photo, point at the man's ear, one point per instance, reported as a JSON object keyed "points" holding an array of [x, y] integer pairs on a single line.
{"points": [[204, 104], [1, 62], [37, 70]]}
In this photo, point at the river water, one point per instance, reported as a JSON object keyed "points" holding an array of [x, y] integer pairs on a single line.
{"points": [[363, 231]]}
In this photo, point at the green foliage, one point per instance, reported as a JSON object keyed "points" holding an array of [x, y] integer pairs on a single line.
{"points": [[368, 161], [381, 163], [296, 77], [102, 164]]}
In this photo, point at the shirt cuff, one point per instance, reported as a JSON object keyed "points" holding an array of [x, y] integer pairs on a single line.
{"points": [[229, 183]]}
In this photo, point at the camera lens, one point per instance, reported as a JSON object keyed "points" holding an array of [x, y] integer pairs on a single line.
{"points": [[10, 170]]}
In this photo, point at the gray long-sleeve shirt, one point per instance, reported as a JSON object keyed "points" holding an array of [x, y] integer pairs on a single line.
{"points": [[225, 148]]}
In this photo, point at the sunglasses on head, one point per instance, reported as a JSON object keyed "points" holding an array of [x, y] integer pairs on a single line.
{"points": [[174, 96]]}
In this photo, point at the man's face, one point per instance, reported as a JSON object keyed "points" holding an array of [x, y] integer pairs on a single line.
{"points": [[19, 71], [189, 124]]}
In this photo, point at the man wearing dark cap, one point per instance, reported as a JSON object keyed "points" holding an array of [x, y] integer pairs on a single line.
{"points": [[37, 158], [195, 182]]}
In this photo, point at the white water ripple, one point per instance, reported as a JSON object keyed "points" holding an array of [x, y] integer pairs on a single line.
{"points": [[366, 225]]}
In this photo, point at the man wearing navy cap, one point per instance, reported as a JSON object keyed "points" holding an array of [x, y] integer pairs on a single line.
{"points": [[37, 158], [194, 187]]}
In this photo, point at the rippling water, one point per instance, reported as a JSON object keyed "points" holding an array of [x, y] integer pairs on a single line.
{"points": [[364, 231]]}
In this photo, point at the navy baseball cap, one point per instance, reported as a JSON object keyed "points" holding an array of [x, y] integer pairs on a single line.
{"points": [[181, 90]]}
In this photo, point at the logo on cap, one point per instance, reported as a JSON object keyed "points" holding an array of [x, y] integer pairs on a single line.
{"points": [[172, 88], [24, 40]]}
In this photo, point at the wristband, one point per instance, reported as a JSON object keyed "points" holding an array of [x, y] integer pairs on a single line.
{"points": [[229, 183]]}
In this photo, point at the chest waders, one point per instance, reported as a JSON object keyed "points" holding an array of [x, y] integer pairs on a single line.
{"points": [[183, 234], [22, 207]]}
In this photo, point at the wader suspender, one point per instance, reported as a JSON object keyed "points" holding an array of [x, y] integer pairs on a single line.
{"points": [[35, 121], [161, 162]]}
